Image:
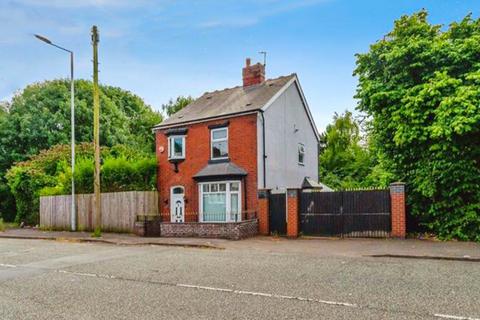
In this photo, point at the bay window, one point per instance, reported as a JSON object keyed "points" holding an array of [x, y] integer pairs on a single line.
{"points": [[220, 201]]}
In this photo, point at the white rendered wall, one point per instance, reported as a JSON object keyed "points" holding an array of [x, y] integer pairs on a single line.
{"points": [[286, 125]]}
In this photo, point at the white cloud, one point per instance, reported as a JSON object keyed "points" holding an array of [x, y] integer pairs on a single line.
{"points": [[83, 3], [233, 23], [233, 17]]}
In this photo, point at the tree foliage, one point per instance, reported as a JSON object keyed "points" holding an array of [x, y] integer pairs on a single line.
{"points": [[420, 85], [39, 117], [176, 105], [49, 173], [347, 160]]}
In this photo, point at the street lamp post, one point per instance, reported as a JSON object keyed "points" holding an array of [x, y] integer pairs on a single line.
{"points": [[72, 119]]}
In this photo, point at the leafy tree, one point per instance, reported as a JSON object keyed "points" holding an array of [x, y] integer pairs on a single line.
{"points": [[346, 159], [7, 203], [49, 173], [421, 87], [176, 105], [39, 117]]}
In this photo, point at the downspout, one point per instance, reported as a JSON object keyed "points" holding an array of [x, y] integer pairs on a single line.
{"points": [[264, 156]]}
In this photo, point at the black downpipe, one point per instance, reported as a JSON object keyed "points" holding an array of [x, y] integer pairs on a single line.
{"points": [[264, 155]]}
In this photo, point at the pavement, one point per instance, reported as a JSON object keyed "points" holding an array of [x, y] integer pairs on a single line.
{"points": [[409, 248], [109, 238], [259, 278]]}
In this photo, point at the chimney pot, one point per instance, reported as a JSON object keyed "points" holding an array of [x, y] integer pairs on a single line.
{"points": [[247, 62]]}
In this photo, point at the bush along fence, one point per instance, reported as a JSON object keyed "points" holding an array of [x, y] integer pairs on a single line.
{"points": [[354, 213], [119, 210]]}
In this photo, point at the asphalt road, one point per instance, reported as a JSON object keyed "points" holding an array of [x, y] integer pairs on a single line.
{"points": [[57, 280]]}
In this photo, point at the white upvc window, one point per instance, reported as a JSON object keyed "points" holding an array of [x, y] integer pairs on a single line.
{"points": [[301, 154], [219, 143], [176, 147], [220, 201]]}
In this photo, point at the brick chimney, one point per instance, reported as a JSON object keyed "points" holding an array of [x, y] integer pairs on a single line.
{"points": [[253, 74]]}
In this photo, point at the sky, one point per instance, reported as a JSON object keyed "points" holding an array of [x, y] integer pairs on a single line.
{"points": [[160, 49]]}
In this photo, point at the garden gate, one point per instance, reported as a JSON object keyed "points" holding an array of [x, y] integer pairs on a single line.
{"points": [[277, 213], [359, 213]]}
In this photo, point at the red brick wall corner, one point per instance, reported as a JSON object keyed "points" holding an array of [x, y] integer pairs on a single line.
{"points": [[263, 211], [398, 209], [292, 213]]}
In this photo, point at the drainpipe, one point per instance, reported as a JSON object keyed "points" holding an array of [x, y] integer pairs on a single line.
{"points": [[263, 149]]}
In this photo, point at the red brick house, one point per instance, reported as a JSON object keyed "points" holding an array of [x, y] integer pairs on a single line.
{"points": [[219, 151]]}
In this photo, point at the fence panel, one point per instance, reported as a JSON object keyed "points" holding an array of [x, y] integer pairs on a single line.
{"points": [[366, 213], [320, 213], [119, 210], [359, 213]]}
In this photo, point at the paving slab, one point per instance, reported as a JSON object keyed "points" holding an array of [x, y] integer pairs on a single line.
{"points": [[346, 247], [111, 238]]}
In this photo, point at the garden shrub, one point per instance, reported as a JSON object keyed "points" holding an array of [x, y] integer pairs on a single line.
{"points": [[49, 174]]}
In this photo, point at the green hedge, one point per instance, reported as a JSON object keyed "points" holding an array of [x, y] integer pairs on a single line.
{"points": [[49, 173]]}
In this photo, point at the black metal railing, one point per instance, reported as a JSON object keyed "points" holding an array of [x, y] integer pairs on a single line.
{"points": [[214, 216]]}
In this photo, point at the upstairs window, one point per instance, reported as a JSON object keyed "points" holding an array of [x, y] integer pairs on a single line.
{"points": [[219, 143], [301, 154], [176, 147]]}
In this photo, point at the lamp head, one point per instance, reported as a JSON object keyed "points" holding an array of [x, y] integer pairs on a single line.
{"points": [[39, 37]]}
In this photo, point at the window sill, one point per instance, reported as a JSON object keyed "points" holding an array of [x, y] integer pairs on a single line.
{"points": [[175, 160], [219, 160]]}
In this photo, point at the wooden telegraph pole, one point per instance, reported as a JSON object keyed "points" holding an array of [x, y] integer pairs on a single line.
{"points": [[96, 133]]}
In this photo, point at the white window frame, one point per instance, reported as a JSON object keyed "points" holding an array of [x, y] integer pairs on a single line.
{"points": [[218, 140], [170, 147], [228, 193], [301, 149]]}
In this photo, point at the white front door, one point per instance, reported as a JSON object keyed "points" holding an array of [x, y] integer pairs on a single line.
{"points": [[177, 204]]}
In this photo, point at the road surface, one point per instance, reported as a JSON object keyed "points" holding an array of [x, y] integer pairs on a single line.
{"points": [[62, 280]]}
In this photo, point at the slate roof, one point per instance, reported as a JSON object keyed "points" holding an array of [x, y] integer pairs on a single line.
{"points": [[220, 169], [228, 101]]}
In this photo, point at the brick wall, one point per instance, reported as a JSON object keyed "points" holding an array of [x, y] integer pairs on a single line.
{"points": [[263, 212], [397, 196], [292, 213], [231, 230], [242, 148], [253, 74]]}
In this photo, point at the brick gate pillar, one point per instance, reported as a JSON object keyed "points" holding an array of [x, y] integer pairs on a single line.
{"points": [[398, 209], [292, 212], [263, 211]]}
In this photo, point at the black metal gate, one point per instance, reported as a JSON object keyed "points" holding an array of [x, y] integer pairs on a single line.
{"points": [[277, 214], [359, 213]]}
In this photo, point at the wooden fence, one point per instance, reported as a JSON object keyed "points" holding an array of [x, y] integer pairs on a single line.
{"points": [[119, 210]]}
